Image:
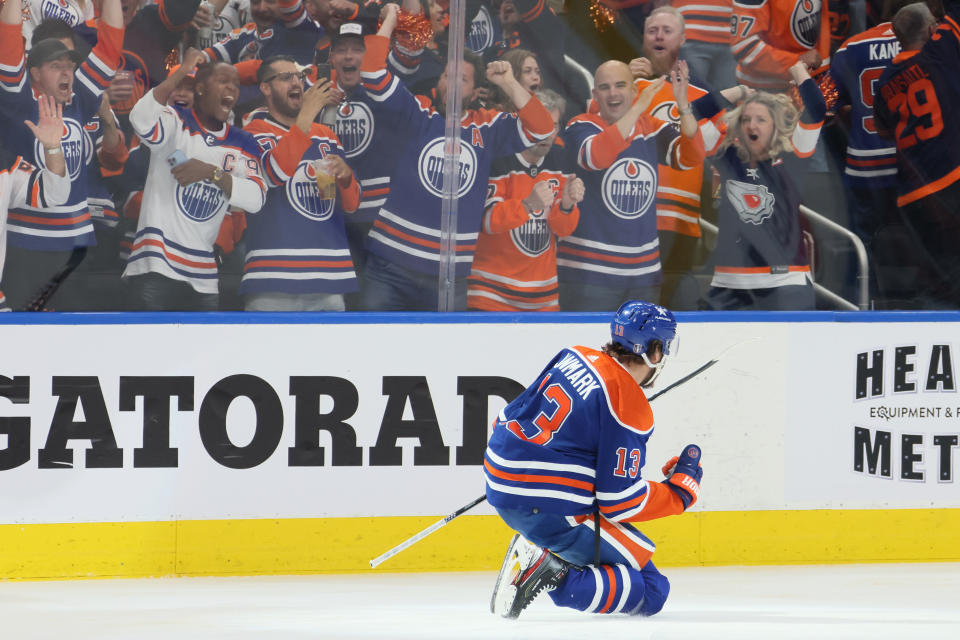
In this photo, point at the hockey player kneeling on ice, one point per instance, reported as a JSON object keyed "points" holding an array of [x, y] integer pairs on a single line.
{"points": [[563, 469]]}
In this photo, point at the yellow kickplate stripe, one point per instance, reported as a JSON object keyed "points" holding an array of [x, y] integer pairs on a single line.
{"points": [[469, 543]]}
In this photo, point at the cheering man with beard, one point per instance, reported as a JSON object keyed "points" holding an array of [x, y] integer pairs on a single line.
{"points": [[297, 253]]}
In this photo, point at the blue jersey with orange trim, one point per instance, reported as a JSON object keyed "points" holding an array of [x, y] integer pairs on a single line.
{"points": [[856, 67], [178, 224], [408, 227], [370, 146], [62, 227], [913, 100], [484, 30], [616, 244], [297, 243], [297, 39], [575, 441], [760, 241]]}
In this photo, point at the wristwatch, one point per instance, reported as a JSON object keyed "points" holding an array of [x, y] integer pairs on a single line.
{"points": [[217, 175]]}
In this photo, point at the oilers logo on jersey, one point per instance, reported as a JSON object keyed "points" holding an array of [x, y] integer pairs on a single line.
{"points": [[303, 195], [199, 201], [667, 111], [75, 152], [805, 22], [480, 37], [354, 127], [629, 188], [430, 167], [752, 202], [58, 10], [532, 238]]}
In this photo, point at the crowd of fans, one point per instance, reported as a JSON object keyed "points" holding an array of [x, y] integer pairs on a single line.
{"points": [[288, 155]]}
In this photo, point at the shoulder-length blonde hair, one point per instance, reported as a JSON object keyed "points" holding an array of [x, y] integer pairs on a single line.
{"points": [[783, 113]]}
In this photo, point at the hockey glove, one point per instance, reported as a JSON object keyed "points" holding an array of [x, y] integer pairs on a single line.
{"points": [[683, 474]]}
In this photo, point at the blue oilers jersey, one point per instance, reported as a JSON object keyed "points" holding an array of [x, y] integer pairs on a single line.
{"points": [[57, 228], [855, 68], [246, 43], [616, 244], [408, 226], [483, 31], [370, 147], [574, 441], [297, 243]]}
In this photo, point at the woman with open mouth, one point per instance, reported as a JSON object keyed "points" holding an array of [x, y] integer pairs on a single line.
{"points": [[762, 260]]}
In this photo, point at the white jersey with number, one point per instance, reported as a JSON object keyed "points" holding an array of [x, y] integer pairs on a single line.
{"points": [[179, 224]]}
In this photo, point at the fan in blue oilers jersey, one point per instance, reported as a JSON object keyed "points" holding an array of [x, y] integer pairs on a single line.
{"points": [[23, 184], [615, 252], [279, 27], [405, 243], [298, 258], [913, 106], [565, 469], [40, 240], [199, 167]]}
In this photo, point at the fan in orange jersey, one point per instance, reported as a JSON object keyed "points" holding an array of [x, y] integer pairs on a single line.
{"points": [[529, 201], [678, 193], [769, 36]]}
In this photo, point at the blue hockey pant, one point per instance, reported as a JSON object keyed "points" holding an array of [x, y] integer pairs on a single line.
{"points": [[619, 577]]}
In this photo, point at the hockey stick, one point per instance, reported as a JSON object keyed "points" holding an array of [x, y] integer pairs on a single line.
{"points": [[39, 301], [423, 534], [459, 512]]}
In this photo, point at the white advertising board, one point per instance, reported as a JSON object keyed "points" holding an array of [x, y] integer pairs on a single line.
{"points": [[112, 422]]}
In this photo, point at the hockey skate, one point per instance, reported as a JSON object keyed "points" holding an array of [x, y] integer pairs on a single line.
{"points": [[527, 570]]}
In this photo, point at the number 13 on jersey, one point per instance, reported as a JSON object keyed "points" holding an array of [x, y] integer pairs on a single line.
{"points": [[557, 405]]}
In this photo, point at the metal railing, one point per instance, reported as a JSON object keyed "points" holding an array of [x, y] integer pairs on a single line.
{"points": [[863, 289]]}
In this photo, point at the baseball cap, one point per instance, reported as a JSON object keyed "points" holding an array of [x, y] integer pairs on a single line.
{"points": [[347, 30], [51, 49]]}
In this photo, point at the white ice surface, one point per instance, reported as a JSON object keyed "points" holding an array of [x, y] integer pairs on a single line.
{"points": [[901, 601]]}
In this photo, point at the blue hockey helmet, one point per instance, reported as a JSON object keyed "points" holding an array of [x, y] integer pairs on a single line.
{"points": [[638, 324]]}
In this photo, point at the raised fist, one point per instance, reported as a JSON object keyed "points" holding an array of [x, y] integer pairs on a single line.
{"points": [[683, 474], [540, 199], [641, 68], [499, 72]]}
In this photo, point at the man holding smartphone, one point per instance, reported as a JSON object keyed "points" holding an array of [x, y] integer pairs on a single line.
{"points": [[298, 258]]}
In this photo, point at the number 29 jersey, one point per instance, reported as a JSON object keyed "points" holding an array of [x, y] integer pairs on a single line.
{"points": [[575, 441], [913, 100]]}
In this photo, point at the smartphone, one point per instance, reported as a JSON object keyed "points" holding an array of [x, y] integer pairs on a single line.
{"points": [[177, 157], [323, 71]]}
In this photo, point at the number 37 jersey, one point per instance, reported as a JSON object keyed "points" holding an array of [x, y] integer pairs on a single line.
{"points": [[913, 101], [575, 441]]}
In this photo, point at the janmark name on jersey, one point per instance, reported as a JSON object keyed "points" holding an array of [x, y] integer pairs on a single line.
{"points": [[578, 374]]}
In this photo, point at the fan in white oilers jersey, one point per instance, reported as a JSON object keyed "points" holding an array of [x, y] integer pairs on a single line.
{"points": [[200, 164]]}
